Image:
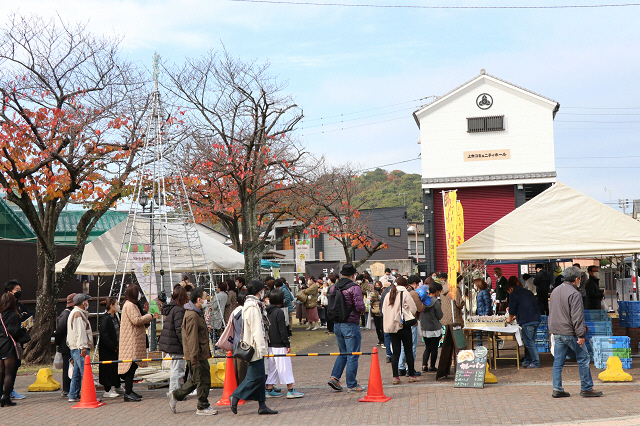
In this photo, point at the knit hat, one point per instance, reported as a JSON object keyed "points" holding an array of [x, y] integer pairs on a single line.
{"points": [[70, 303]]}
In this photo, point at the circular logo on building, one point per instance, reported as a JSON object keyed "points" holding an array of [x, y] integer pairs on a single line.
{"points": [[484, 101]]}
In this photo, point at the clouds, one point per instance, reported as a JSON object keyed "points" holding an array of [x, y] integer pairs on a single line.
{"points": [[344, 60]]}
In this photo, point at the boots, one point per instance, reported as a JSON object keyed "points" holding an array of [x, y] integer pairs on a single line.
{"points": [[6, 400]]}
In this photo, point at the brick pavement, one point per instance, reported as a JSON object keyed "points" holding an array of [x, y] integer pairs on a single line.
{"points": [[520, 397]]}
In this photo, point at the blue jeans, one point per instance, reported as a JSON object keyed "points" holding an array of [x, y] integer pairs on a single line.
{"points": [[387, 344], [349, 338], [78, 370], [562, 344], [529, 339], [414, 340]]}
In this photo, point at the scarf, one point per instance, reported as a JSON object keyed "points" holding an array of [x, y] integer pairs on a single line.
{"points": [[265, 317]]}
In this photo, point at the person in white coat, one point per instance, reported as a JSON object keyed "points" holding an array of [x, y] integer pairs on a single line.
{"points": [[255, 332], [79, 340]]}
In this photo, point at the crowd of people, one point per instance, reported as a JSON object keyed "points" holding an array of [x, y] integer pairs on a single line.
{"points": [[402, 309]]}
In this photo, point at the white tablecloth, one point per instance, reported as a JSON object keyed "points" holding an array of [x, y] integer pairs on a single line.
{"points": [[510, 329]]}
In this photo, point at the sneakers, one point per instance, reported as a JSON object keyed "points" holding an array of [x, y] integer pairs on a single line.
{"points": [[335, 384], [64, 394], [209, 411], [308, 328], [111, 394], [291, 394], [533, 366], [315, 328], [413, 379], [172, 402], [272, 394], [500, 344], [396, 381], [74, 399], [16, 395], [357, 388], [402, 372], [591, 393], [194, 393], [120, 390], [560, 394]]}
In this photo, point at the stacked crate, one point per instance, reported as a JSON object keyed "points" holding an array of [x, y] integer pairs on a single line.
{"points": [[606, 346], [542, 335], [597, 329], [629, 314]]}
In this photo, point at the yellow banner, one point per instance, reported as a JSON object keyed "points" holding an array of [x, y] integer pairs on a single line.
{"points": [[451, 227], [460, 223]]}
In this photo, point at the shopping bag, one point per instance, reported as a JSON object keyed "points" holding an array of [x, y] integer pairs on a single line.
{"points": [[57, 361], [369, 324]]}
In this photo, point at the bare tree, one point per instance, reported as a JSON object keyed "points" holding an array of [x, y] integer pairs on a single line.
{"points": [[70, 120], [245, 169]]}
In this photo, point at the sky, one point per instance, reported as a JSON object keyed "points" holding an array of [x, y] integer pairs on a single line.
{"points": [[359, 72]]}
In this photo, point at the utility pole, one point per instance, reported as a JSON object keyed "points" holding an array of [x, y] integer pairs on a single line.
{"points": [[404, 196], [622, 202]]}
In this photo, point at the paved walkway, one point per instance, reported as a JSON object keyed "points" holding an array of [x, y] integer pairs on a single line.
{"points": [[521, 397]]}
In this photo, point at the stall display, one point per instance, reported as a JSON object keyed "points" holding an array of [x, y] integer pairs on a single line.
{"points": [[486, 321]]}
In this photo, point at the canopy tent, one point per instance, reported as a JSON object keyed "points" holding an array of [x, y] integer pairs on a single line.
{"points": [[559, 223], [101, 255]]}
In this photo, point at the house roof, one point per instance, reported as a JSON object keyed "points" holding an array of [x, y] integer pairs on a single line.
{"points": [[483, 74]]}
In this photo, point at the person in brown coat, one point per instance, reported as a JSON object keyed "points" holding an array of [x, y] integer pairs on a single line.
{"points": [[452, 305], [133, 343], [195, 345], [312, 305]]}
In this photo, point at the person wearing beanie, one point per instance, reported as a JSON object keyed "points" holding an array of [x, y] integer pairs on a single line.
{"points": [[79, 340], [61, 344]]}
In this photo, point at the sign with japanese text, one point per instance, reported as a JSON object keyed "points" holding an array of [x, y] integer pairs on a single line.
{"points": [[377, 269], [471, 367], [316, 269], [302, 248], [494, 154], [146, 276], [451, 228]]}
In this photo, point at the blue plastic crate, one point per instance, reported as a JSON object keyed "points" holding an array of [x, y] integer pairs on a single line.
{"points": [[601, 363], [595, 314]]}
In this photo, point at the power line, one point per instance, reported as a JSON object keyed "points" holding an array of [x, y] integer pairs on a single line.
{"points": [[359, 118], [592, 121], [389, 6], [353, 127], [574, 158], [390, 164], [572, 107]]}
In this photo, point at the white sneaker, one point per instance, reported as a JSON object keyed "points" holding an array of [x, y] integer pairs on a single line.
{"points": [[209, 411], [309, 328], [111, 394], [315, 328], [194, 393]]}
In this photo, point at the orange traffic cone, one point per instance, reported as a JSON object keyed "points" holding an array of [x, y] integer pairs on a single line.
{"points": [[375, 393], [230, 383], [88, 395]]}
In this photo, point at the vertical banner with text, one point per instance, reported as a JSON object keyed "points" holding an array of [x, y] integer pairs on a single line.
{"points": [[451, 228], [141, 263], [302, 255]]}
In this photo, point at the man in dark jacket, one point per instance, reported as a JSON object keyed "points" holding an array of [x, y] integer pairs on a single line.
{"points": [[348, 332], [523, 307], [542, 281], [501, 290], [61, 343], [593, 294], [14, 287], [195, 345], [566, 324]]}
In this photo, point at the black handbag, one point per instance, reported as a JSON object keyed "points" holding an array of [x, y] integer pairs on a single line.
{"points": [[241, 349]]}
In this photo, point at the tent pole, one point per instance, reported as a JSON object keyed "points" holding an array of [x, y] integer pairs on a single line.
{"points": [[635, 273]]}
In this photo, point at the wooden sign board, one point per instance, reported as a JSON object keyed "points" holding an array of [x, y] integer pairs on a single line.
{"points": [[377, 269], [470, 368], [454, 342]]}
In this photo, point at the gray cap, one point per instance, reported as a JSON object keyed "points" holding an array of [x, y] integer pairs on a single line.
{"points": [[79, 298]]}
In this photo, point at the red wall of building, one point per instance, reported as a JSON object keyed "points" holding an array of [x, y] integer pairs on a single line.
{"points": [[482, 207]]}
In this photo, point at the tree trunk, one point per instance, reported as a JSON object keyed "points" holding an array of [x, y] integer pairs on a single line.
{"points": [[251, 264], [40, 350]]}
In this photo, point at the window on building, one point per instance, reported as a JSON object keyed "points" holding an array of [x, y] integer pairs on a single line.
{"points": [[485, 124], [394, 232], [287, 243], [412, 248]]}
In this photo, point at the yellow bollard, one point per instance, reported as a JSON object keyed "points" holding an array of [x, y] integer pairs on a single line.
{"points": [[489, 377], [44, 382], [217, 374], [614, 372]]}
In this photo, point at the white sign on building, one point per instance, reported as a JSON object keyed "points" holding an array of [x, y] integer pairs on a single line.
{"points": [[302, 249]]}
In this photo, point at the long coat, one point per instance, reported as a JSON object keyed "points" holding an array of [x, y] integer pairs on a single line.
{"points": [[133, 342]]}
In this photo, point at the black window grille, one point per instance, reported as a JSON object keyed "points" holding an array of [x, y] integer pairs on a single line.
{"points": [[485, 124]]}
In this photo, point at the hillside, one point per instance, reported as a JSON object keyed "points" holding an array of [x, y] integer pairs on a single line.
{"points": [[385, 189]]}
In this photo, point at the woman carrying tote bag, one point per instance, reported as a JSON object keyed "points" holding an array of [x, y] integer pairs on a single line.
{"points": [[255, 332]]}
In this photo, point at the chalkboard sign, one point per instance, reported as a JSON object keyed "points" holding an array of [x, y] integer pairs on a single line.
{"points": [[470, 368], [458, 337]]}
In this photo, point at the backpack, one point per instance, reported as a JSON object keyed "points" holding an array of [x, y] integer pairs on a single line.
{"points": [[337, 306]]}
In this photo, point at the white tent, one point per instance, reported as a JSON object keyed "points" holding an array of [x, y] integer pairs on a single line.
{"points": [[101, 255], [559, 223]]}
